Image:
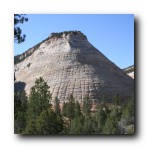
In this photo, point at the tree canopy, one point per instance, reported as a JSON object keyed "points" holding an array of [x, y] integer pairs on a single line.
{"points": [[18, 36], [37, 115]]}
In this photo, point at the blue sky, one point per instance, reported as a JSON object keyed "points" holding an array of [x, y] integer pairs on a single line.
{"points": [[112, 34]]}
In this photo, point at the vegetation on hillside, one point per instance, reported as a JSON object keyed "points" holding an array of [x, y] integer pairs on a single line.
{"points": [[36, 115], [59, 35]]}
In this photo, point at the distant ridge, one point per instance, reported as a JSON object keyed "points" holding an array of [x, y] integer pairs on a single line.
{"points": [[129, 71]]}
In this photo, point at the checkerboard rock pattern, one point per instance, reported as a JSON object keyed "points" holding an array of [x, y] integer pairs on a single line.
{"points": [[72, 65]]}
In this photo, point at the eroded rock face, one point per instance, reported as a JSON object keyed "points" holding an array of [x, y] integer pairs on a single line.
{"points": [[71, 65], [129, 71]]}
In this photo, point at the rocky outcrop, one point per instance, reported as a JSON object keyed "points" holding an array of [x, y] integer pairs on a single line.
{"points": [[129, 71], [71, 65]]}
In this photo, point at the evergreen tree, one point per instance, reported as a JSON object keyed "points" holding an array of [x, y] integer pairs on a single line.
{"points": [[77, 121], [128, 109], [127, 118], [66, 127], [20, 107], [117, 100], [87, 105], [71, 107], [77, 125], [88, 125], [40, 97], [100, 118], [39, 100], [59, 117], [77, 109], [19, 19], [111, 124], [64, 109], [57, 106], [48, 123]]}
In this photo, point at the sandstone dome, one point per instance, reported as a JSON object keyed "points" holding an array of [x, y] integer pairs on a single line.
{"points": [[71, 65]]}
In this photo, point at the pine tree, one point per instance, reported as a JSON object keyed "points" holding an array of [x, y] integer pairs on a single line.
{"points": [[88, 125], [87, 105], [77, 125], [19, 19], [48, 123], [117, 100], [71, 107], [59, 117], [77, 109], [64, 109], [111, 124], [57, 106], [100, 118], [40, 97], [128, 109], [127, 118], [77, 122], [39, 100], [20, 108]]}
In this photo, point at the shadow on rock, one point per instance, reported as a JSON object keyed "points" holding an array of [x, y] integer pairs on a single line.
{"points": [[19, 86]]}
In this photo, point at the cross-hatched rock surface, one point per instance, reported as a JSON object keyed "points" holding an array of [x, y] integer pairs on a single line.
{"points": [[71, 65]]}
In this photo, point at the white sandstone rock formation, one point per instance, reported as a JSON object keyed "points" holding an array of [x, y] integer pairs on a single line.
{"points": [[129, 71], [71, 65]]}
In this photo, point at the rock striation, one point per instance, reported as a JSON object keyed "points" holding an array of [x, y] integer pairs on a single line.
{"points": [[72, 65]]}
